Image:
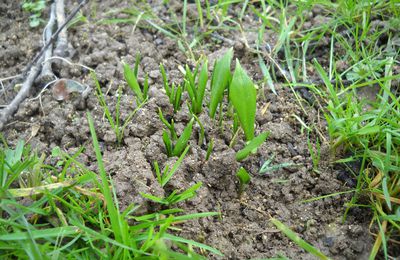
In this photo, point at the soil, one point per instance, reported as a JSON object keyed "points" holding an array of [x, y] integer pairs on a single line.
{"points": [[243, 231]]}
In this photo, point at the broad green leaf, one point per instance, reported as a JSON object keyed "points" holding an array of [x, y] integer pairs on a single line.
{"points": [[243, 95], [192, 243], [182, 141], [220, 80], [132, 82], [189, 75], [331, 90], [254, 144], [386, 192]]}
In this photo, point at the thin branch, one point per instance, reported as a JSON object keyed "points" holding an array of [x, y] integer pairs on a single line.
{"points": [[47, 74], [32, 70], [22, 94], [52, 39], [62, 41]]}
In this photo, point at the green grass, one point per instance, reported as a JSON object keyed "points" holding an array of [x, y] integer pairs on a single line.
{"points": [[86, 222], [35, 8], [366, 129], [117, 124], [76, 215]]}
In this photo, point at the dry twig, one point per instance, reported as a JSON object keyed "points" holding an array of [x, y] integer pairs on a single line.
{"points": [[52, 39], [47, 74], [62, 41], [33, 68], [22, 94]]}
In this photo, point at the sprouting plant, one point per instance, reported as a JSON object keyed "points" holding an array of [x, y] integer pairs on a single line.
{"points": [[315, 155], [244, 179], [298, 240], [370, 69], [220, 80], [175, 148], [149, 231], [34, 176], [201, 135], [210, 149], [267, 167], [35, 7], [164, 176], [131, 79], [251, 146], [173, 92], [169, 124], [14, 162], [196, 93], [243, 95], [175, 197], [115, 121]]}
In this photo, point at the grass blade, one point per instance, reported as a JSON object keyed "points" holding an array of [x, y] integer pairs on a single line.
{"points": [[165, 179], [132, 81], [69, 231], [182, 141], [202, 83], [296, 239]]}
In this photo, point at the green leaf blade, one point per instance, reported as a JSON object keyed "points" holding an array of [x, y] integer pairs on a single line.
{"points": [[243, 96], [220, 80], [203, 78], [244, 176], [182, 141], [296, 239], [132, 82], [254, 144]]}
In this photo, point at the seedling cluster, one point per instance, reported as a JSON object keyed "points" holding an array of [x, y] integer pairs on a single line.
{"points": [[239, 88], [236, 87]]}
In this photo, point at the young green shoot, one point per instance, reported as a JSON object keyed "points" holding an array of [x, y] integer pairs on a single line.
{"points": [[169, 125], [175, 148], [201, 134], [315, 154], [173, 92], [268, 168], [175, 196], [115, 121], [35, 7], [164, 176], [243, 96], [244, 179], [296, 239], [131, 78], [220, 80], [210, 149], [196, 93]]}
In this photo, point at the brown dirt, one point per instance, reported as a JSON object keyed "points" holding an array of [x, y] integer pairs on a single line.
{"points": [[244, 231]]}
